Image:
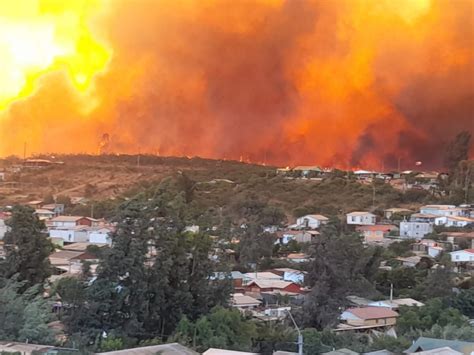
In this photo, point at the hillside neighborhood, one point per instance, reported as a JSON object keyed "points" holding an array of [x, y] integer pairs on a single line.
{"points": [[357, 274]]}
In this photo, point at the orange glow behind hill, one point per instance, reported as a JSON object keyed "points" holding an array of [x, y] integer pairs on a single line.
{"points": [[346, 82]]}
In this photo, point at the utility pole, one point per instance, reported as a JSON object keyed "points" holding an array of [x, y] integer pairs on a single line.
{"points": [[300, 336]]}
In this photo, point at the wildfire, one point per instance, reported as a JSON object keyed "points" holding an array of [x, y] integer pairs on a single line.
{"points": [[344, 82], [38, 37]]}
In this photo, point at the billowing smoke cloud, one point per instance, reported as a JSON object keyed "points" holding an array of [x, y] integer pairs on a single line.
{"points": [[348, 83]]}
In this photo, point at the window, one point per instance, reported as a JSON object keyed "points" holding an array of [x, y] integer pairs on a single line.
{"points": [[353, 219], [457, 257]]}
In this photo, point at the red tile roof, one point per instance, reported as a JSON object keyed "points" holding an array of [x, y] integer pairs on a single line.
{"points": [[372, 312]]}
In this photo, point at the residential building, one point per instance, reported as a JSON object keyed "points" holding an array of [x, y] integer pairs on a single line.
{"points": [[3, 226], [369, 317], [100, 235], [259, 286], [462, 256], [72, 221], [44, 214], [396, 303], [70, 261], [376, 233], [57, 208], [361, 218], [415, 230], [444, 210], [72, 234], [244, 302], [288, 274], [454, 221], [164, 349], [297, 258], [425, 344], [409, 261], [311, 221], [214, 351], [423, 217]]}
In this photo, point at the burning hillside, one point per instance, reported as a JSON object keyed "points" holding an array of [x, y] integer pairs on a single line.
{"points": [[345, 82]]}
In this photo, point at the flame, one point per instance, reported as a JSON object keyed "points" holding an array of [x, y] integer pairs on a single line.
{"points": [[344, 83], [38, 37]]}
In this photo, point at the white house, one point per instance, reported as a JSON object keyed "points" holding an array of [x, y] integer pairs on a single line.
{"points": [[44, 214], [434, 251], [100, 235], [71, 221], [361, 218], [443, 210], [70, 234], [462, 256], [453, 221], [313, 221], [3, 228], [415, 230], [293, 275]]}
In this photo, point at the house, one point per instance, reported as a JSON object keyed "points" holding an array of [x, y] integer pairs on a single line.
{"points": [[444, 210], [241, 301], [3, 226], [376, 233], [425, 344], [70, 261], [259, 286], [72, 234], [361, 218], [364, 174], [72, 221], [423, 217], [308, 170], [100, 235], [453, 221], [396, 303], [57, 208], [44, 214], [288, 274], [462, 256], [238, 279], [297, 258], [311, 221], [439, 351], [409, 261], [264, 275], [369, 317], [214, 351], [389, 212], [163, 349], [416, 230]]}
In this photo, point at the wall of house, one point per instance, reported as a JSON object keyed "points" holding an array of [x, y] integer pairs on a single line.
{"points": [[364, 220], [415, 230], [99, 237], [69, 235], [460, 256], [308, 222]]}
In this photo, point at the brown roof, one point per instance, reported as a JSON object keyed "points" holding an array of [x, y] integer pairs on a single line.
{"points": [[372, 312]]}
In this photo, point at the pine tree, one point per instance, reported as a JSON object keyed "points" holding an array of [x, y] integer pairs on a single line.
{"points": [[27, 248]]}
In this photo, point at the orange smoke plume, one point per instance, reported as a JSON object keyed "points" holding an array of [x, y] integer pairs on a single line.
{"points": [[345, 82]]}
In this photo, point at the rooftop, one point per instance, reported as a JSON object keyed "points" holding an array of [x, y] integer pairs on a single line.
{"points": [[372, 312], [358, 213]]}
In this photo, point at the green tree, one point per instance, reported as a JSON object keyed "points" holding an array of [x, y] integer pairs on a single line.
{"points": [[27, 248], [337, 270], [222, 328]]}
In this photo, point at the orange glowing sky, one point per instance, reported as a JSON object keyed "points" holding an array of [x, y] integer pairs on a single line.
{"points": [[343, 82]]}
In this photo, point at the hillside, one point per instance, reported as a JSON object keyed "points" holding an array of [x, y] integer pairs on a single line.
{"points": [[216, 184]]}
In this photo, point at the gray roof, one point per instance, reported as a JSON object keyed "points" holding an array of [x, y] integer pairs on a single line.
{"points": [[342, 351], [165, 349], [422, 344]]}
